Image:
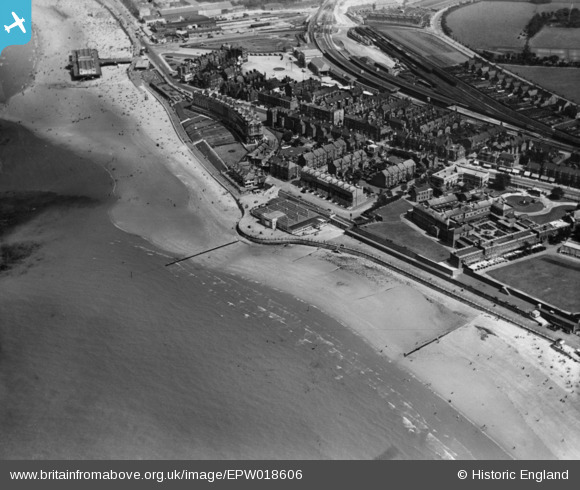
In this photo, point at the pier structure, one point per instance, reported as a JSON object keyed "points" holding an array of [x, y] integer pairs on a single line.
{"points": [[85, 63]]}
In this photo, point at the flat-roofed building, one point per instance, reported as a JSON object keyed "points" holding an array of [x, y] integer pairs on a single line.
{"points": [[288, 216], [458, 174], [571, 248], [446, 178], [142, 64], [478, 178], [270, 219]]}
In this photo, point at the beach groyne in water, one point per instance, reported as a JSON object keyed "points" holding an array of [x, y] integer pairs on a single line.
{"points": [[177, 261]]}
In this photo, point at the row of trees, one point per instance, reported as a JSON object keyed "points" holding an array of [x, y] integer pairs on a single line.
{"points": [[562, 18]]}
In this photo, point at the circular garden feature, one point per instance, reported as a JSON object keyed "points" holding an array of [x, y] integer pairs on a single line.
{"points": [[525, 204]]}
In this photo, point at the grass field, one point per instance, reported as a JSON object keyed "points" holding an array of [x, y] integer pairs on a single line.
{"points": [[531, 207], [426, 44], [231, 153], [493, 25], [553, 279], [556, 37], [399, 232], [554, 214], [562, 81]]}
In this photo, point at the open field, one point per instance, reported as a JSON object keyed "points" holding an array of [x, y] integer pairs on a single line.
{"points": [[399, 232], [553, 279], [493, 25], [231, 153], [426, 44], [555, 37], [562, 81]]}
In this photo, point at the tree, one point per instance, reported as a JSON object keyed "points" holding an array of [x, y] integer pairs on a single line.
{"points": [[502, 181], [287, 136], [557, 193]]}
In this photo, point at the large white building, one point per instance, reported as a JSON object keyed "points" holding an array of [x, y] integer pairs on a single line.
{"points": [[458, 174], [570, 247]]}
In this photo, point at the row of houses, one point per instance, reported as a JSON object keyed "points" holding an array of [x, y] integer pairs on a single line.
{"points": [[236, 115], [307, 127], [209, 70], [289, 168], [332, 188], [396, 172], [321, 156], [374, 116], [529, 99], [561, 173], [412, 17]]}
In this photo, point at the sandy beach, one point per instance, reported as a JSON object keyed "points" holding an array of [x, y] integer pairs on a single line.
{"points": [[491, 382]]}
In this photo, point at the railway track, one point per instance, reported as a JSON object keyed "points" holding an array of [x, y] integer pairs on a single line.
{"points": [[452, 87], [433, 85]]}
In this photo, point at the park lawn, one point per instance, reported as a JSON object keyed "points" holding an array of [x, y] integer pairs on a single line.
{"points": [[553, 279], [395, 229], [231, 153], [531, 207], [554, 214]]}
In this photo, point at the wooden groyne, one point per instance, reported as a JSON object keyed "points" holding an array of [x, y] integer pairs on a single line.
{"points": [[426, 343], [177, 261]]}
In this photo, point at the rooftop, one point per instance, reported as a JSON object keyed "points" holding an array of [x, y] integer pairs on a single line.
{"points": [[571, 244]]}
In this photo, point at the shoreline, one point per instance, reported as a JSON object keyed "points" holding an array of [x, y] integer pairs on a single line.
{"points": [[130, 214]]}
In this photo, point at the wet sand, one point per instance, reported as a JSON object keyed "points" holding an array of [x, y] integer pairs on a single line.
{"points": [[162, 195]]}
